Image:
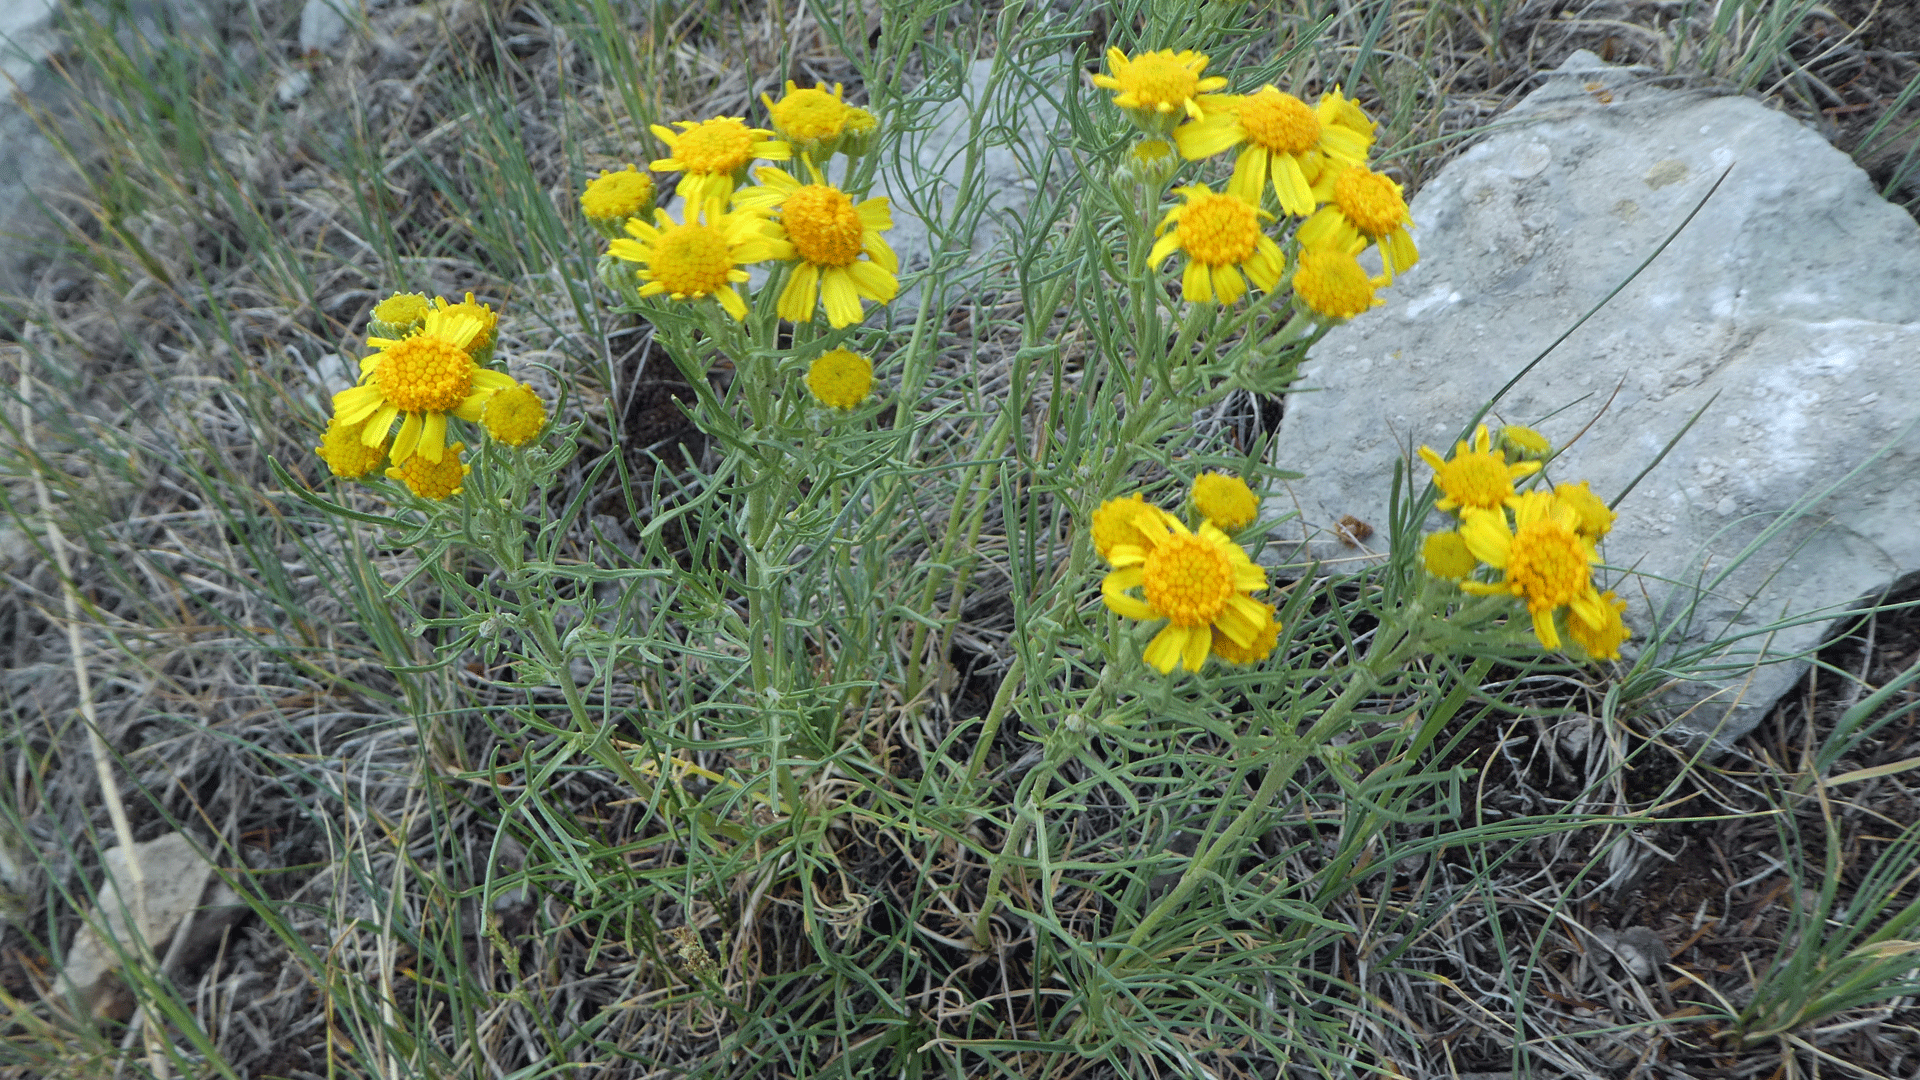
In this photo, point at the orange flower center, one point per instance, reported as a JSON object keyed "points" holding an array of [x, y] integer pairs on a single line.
{"points": [[810, 114], [1548, 565], [1332, 283], [824, 226], [1159, 79], [1477, 479], [425, 373], [721, 145], [617, 196], [1219, 230], [1188, 580], [691, 260], [1280, 122], [1370, 201]]}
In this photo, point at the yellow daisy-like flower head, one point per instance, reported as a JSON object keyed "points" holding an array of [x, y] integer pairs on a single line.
{"points": [[1596, 518], [1331, 284], [398, 315], [1477, 477], [514, 415], [828, 233], [1159, 89], [1524, 443], [1225, 500], [1198, 581], [1362, 206], [840, 378], [423, 376], [1548, 564], [701, 257], [714, 155], [613, 197], [861, 129], [1280, 137], [1602, 642], [1445, 555], [1150, 164], [482, 348], [434, 479], [1259, 649], [346, 456], [811, 121], [1222, 237], [1340, 110], [1113, 524]]}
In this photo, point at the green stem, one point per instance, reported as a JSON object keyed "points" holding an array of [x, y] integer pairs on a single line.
{"points": [[1389, 650]]}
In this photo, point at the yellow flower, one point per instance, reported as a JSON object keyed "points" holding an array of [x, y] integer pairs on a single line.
{"points": [[828, 233], [1259, 649], [1342, 111], [1225, 500], [1477, 477], [346, 456], [840, 378], [1524, 443], [398, 315], [1151, 163], [858, 135], [714, 155], [809, 120], [425, 376], [1331, 283], [701, 257], [514, 415], [482, 348], [1221, 236], [1602, 642], [1113, 524], [613, 197], [1548, 563], [1365, 206], [1445, 555], [1198, 581], [1596, 519], [1158, 89], [1282, 137], [433, 479]]}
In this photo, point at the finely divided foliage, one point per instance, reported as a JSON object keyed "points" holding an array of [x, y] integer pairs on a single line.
{"points": [[746, 643]]}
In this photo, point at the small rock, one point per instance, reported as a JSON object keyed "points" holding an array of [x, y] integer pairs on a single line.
{"points": [[1638, 948], [323, 25], [293, 86], [176, 880]]}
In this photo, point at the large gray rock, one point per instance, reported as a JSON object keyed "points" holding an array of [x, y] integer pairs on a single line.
{"points": [[1789, 310]]}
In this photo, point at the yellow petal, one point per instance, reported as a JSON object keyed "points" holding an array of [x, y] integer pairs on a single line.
{"points": [[1250, 175], [797, 300], [408, 438], [732, 302], [1164, 650], [1196, 284], [378, 425], [433, 436], [873, 281], [841, 298], [1199, 643], [1290, 184]]}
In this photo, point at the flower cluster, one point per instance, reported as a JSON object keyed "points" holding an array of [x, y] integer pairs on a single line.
{"points": [[1291, 160], [1197, 579], [829, 234], [431, 368], [1538, 546]]}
